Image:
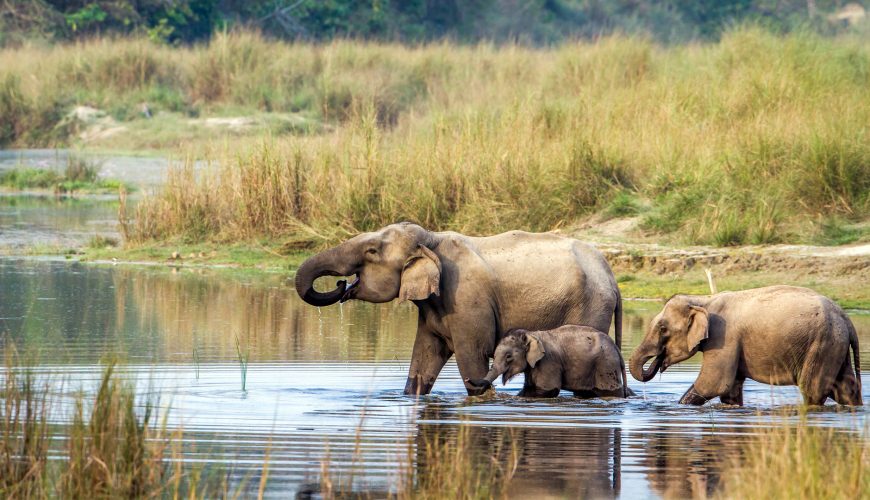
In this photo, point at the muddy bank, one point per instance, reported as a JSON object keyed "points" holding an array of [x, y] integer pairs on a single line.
{"points": [[823, 262]]}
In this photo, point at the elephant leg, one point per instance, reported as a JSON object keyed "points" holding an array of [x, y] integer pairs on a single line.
{"points": [[717, 378], [586, 394], [534, 392], [735, 395], [427, 359], [473, 349], [616, 393], [846, 391], [691, 397]]}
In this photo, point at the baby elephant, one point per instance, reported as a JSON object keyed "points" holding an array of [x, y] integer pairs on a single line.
{"points": [[779, 335], [576, 358]]}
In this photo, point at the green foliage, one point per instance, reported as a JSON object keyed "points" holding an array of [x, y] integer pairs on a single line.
{"points": [[534, 21], [89, 15], [623, 204], [837, 231]]}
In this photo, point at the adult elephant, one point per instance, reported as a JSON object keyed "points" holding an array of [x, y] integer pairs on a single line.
{"points": [[469, 290]]}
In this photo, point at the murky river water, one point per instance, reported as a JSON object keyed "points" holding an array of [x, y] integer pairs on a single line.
{"points": [[328, 382]]}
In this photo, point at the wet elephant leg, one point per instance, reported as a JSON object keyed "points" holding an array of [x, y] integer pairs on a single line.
{"points": [[691, 397], [817, 376], [846, 387], [428, 358], [735, 395], [534, 392], [616, 393], [473, 349], [586, 394]]}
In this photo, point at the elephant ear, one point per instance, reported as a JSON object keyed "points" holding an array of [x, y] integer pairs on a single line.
{"points": [[535, 350], [421, 275], [698, 326]]}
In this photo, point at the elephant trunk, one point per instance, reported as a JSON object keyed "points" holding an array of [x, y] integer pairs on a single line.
{"points": [[641, 355], [331, 262], [487, 380]]}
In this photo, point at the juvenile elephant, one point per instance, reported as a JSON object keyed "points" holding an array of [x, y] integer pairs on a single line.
{"points": [[575, 358], [779, 335], [469, 290]]}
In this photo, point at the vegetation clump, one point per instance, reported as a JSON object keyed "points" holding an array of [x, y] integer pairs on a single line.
{"points": [[79, 176]]}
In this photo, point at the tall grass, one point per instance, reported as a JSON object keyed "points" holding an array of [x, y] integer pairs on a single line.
{"points": [[757, 138], [456, 468], [800, 461], [439, 465], [24, 433], [113, 446]]}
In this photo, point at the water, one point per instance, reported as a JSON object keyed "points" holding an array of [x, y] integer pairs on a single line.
{"points": [[54, 222], [142, 171], [328, 383]]}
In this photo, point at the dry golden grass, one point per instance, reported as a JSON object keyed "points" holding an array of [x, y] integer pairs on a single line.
{"points": [[801, 461], [757, 138], [110, 451]]}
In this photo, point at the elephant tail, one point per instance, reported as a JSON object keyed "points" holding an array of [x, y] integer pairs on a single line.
{"points": [[617, 321], [856, 357], [617, 335]]}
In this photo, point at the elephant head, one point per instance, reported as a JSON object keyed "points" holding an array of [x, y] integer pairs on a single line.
{"points": [[394, 262], [674, 335], [516, 350]]}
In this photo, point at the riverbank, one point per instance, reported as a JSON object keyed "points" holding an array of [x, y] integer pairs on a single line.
{"points": [[644, 271]]}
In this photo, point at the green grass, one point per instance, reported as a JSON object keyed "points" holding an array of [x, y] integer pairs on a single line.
{"points": [[79, 176], [837, 231]]}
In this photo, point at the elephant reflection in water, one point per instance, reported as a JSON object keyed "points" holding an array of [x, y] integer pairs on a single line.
{"points": [[572, 462], [681, 465]]}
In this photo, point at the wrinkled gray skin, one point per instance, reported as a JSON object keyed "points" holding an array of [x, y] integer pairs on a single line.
{"points": [[779, 335], [469, 290], [575, 358]]}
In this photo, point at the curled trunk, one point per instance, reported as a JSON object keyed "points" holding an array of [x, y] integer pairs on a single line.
{"points": [[328, 263], [641, 355]]}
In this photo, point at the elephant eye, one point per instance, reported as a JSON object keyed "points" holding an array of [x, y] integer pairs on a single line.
{"points": [[663, 329], [371, 251]]}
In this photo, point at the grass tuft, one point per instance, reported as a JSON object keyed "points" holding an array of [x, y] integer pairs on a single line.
{"points": [[800, 461]]}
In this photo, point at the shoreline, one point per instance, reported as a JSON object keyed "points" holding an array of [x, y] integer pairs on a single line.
{"points": [[643, 272]]}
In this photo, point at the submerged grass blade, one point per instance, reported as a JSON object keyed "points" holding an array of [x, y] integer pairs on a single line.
{"points": [[243, 362]]}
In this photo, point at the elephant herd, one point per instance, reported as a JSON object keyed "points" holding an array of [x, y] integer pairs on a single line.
{"points": [[540, 304]]}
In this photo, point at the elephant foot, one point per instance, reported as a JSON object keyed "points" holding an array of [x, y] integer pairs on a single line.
{"points": [[415, 387], [691, 397]]}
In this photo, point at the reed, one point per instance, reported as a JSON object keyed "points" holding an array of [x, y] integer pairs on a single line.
{"points": [[455, 468], [113, 445], [24, 432], [797, 460], [438, 463], [243, 362], [113, 452]]}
